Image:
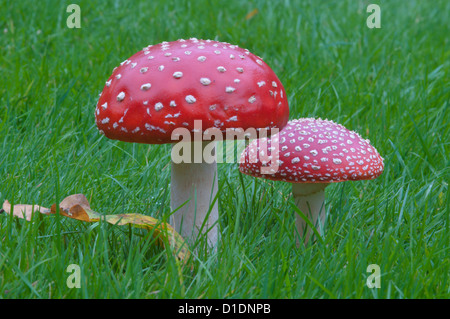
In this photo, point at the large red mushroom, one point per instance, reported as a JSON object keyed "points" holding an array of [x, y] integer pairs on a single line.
{"points": [[178, 85], [311, 154]]}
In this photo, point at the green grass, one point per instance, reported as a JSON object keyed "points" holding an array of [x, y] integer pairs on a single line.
{"points": [[391, 85]]}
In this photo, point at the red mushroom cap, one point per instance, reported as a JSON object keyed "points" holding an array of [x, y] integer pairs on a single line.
{"points": [[314, 151], [171, 84]]}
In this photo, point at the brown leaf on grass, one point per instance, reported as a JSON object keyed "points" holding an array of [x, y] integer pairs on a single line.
{"points": [[77, 207], [24, 211], [74, 207], [72, 200]]}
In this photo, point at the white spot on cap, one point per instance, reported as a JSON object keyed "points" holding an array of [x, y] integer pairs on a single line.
{"points": [[161, 67], [274, 84], [240, 70], [205, 81], [105, 120], [221, 69], [118, 76], [158, 106], [146, 86], [105, 105], [229, 89], [108, 83], [261, 83], [201, 58], [190, 99], [173, 104], [177, 74], [259, 61], [337, 161], [143, 70], [252, 99], [120, 96]]}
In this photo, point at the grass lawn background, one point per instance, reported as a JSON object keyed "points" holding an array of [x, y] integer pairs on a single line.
{"points": [[391, 85]]}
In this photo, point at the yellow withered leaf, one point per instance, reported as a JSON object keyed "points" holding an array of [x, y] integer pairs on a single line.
{"points": [[24, 211], [77, 207]]}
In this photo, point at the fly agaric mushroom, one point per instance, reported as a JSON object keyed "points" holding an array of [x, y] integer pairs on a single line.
{"points": [[172, 85], [311, 154]]}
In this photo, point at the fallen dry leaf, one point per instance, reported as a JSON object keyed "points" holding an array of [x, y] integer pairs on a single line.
{"points": [[24, 211], [72, 200], [77, 207]]}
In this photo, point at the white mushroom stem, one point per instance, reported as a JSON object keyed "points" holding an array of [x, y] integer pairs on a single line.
{"points": [[310, 199], [193, 188]]}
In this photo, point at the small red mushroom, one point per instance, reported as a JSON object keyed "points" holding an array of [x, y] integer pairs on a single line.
{"points": [[173, 85], [311, 154]]}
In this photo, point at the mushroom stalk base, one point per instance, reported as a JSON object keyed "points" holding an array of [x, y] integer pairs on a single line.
{"points": [[310, 199], [193, 189]]}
